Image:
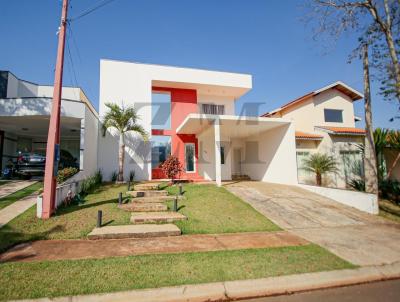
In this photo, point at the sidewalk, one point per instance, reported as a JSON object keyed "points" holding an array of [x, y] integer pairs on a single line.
{"points": [[234, 290], [86, 249], [14, 186], [13, 210]]}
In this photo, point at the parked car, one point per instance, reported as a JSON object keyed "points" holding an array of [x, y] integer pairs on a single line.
{"points": [[34, 163]]}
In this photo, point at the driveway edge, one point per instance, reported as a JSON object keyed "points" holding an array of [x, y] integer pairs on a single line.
{"points": [[234, 290]]}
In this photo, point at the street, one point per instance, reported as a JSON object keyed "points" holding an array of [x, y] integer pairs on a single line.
{"points": [[387, 291]]}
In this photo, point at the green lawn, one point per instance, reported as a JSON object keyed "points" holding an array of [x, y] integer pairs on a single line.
{"points": [[75, 221], [211, 209], [6, 201], [389, 210], [3, 182], [73, 277]]}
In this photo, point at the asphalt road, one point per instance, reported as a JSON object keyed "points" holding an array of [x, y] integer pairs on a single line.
{"points": [[387, 291]]}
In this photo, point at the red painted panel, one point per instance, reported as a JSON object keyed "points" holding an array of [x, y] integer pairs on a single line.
{"points": [[183, 102]]}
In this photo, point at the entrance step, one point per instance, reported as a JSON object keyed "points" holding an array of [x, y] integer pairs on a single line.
{"points": [[156, 217], [135, 231], [146, 193], [147, 186], [144, 207], [240, 177], [155, 199]]}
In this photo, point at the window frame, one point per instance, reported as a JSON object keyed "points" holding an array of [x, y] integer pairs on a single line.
{"points": [[194, 157], [336, 111], [216, 106], [222, 154]]}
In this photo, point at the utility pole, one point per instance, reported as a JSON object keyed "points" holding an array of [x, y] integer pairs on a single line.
{"points": [[53, 137]]}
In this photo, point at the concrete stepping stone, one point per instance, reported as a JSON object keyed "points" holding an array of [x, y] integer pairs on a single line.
{"points": [[147, 193], [147, 186], [135, 231], [143, 207], [155, 199], [157, 217]]}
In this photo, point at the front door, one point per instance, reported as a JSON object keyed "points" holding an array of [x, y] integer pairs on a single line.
{"points": [[237, 159]]}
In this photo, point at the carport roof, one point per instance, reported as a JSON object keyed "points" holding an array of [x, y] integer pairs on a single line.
{"points": [[231, 125]]}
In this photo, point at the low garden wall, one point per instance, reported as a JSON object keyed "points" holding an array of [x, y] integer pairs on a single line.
{"points": [[360, 200]]}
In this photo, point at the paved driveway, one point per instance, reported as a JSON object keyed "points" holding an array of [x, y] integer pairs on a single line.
{"points": [[358, 237]]}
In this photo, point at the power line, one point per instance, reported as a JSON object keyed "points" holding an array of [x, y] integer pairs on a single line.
{"points": [[91, 10]]}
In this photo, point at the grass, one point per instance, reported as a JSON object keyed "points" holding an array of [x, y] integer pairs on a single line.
{"points": [[6, 201], [43, 279], [212, 209], [75, 221], [389, 210]]}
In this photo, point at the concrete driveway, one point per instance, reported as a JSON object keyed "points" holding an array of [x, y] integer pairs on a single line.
{"points": [[355, 236]]}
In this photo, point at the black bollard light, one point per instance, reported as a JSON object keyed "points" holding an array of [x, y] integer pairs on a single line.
{"points": [[120, 198], [175, 207], [99, 218], [180, 189], [129, 185]]}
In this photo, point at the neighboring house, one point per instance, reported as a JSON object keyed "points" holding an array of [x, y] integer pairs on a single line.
{"points": [[24, 117], [325, 122], [190, 113]]}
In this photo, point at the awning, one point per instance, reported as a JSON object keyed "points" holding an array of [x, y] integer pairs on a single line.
{"points": [[231, 125], [308, 136], [342, 130]]}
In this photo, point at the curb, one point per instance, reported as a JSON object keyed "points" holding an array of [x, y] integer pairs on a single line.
{"points": [[242, 289]]}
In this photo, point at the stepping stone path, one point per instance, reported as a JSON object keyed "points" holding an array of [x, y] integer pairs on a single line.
{"points": [[157, 217], [149, 210], [135, 231]]}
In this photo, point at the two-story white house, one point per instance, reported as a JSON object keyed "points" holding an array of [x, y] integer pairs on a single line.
{"points": [[325, 122]]}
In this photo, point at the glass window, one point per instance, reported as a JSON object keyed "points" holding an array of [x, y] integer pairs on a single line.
{"points": [[160, 150], [333, 116], [213, 109], [353, 166], [222, 151], [301, 173], [189, 157], [161, 110]]}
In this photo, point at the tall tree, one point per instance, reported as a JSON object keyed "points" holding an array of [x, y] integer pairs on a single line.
{"points": [[371, 174], [123, 119], [377, 22]]}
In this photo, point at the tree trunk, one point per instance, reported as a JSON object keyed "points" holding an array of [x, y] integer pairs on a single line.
{"points": [[371, 174], [121, 157], [390, 171], [318, 179]]}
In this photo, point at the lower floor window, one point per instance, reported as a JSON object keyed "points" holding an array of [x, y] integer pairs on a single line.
{"points": [[190, 157], [160, 150], [222, 155]]}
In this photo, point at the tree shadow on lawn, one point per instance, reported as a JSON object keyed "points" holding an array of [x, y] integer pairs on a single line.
{"points": [[76, 207], [9, 237]]}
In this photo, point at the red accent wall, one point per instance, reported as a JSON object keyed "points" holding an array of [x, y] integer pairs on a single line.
{"points": [[183, 102]]}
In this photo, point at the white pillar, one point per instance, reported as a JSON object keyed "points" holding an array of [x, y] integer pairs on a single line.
{"points": [[217, 137]]}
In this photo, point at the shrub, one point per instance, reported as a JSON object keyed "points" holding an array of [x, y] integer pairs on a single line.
{"points": [[357, 184], [114, 176], [66, 173], [131, 175], [390, 189], [172, 167], [91, 183]]}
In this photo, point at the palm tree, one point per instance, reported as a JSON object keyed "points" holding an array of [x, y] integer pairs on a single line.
{"points": [[319, 164], [124, 119]]}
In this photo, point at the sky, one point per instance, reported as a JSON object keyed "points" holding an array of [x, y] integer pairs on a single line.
{"points": [[265, 38]]}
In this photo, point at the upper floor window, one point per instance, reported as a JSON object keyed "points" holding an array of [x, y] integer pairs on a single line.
{"points": [[161, 110], [213, 109], [333, 116]]}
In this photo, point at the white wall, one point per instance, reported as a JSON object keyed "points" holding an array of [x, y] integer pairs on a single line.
{"points": [[12, 86], [89, 142], [271, 156], [228, 102], [362, 201]]}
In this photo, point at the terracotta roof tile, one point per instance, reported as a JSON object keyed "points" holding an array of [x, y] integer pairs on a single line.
{"points": [[309, 136], [344, 130]]}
